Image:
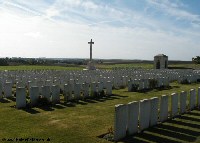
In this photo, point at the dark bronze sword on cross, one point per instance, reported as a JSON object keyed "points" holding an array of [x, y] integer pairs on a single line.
{"points": [[91, 49]]}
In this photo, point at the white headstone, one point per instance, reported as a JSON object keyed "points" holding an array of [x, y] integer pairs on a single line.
{"points": [[77, 91], [100, 87], [166, 82], [85, 90], [146, 85], [129, 85], [154, 111], [93, 89], [72, 82], [192, 99], [55, 94], [141, 85], [67, 92], [120, 121], [160, 82], [164, 108], [174, 104], [34, 95], [1, 88], [133, 113], [124, 81], [183, 104], [46, 92], [8, 89], [109, 88], [20, 97], [144, 114], [198, 98], [40, 83]]}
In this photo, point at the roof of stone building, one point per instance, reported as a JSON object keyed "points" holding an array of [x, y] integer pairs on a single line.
{"points": [[161, 55]]}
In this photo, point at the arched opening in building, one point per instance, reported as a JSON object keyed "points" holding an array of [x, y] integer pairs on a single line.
{"points": [[158, 64]]}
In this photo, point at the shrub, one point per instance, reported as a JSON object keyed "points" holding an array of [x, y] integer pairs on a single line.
{"points": [[110, 135]]}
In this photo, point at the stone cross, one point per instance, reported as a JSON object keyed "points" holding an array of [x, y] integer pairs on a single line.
{"points": [[91, 49]]}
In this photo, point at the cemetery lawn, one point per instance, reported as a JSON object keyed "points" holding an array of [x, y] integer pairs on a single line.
{"points": [[84, 121], [99, 66], [133, 65], [146, 66]]}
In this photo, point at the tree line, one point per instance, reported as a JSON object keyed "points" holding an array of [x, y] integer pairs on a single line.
{"points": [[196, 59], [39, 61]]}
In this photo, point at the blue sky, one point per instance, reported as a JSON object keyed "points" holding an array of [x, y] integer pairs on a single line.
{"points": [[121, 29]]}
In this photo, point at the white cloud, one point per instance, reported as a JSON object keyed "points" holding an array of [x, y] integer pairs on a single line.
{"points": [[90, 5], [174, 9], [8, 4], [33, 34], [140, 37]]}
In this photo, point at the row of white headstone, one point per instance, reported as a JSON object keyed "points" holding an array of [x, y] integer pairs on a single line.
{"points": [[187, 78], [136, 116], [145, 83], [117, 77], [52, 93], [116, 82]]}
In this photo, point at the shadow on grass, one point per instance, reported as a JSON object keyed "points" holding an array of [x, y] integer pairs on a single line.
{"points": [[139, 138], [104, 98], [179, 68], [84, 102], [172, 131], [194, 114], [12, 98], [51, 107], [156, 89], [46, 107], [183, 123], [117, 95], [166, 88], [68, 104], [190, 118], [4, 100], [30, 110], [59, 106]]}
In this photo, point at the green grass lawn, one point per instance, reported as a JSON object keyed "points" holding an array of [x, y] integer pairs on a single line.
{"points": [[134, 65], [145, 66], [99, 66], [84, 121], [193, 66]]}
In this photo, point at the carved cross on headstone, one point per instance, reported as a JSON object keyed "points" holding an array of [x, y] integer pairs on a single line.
{"points": [[91, 49]]}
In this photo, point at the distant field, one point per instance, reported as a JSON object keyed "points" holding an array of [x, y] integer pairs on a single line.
{"points": [[193, 66], [146, 66], [85, 120]]}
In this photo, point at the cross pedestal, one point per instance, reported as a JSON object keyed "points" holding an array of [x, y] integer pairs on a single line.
{"points": [[90, 65]]}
